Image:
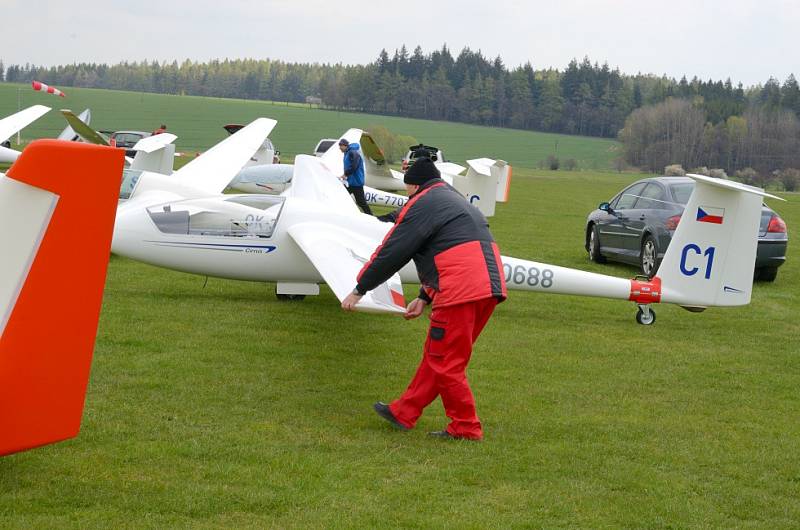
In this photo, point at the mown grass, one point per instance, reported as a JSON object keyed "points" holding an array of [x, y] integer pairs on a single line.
{"points": [[198, 123], [220, 406]]}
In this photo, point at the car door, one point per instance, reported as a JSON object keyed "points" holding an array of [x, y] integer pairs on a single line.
{"points": [[644, 213], [613, 231]]}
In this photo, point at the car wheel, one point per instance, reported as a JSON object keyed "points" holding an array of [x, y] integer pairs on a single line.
{"points": [[594, 246], [648, 257], [766, 274]]}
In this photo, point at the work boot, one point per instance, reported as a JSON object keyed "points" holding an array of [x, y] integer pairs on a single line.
{"points": [[385, 412]]}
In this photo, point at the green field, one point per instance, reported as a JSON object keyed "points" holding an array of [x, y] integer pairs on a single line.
{"points": [[198, 123], [218, 406]]}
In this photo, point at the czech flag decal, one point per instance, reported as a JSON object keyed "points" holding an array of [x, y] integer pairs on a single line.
{"points": [[709, 214]]}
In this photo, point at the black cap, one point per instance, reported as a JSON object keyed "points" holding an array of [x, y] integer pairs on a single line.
{"points": [[421, 172], [343, 142]]}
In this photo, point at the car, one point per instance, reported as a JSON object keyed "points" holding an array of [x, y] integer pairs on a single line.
{"points": [[126, 140], [636, 226], [417, 151], [323, 146]]}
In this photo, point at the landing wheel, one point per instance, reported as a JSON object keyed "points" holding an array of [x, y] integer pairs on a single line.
{"points": [[290, 297], [645, 316]]}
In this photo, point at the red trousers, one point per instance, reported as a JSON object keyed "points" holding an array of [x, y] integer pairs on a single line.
{"points": [[442, 372]]}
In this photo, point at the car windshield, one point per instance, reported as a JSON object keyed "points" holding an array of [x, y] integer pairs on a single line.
{"points": [[325, 145], [127, 138], [682, 191]]}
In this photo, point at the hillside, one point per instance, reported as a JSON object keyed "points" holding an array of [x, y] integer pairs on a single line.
{"points": [[198, 123]]}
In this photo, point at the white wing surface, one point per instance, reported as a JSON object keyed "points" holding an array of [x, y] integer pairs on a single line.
{"points": [[213, 170], [339, 255], [314, 181], [11, 124], [151, 144], [450, 168]]}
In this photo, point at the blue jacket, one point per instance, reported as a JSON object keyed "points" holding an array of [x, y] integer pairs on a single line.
{"points": [[354, 165]]}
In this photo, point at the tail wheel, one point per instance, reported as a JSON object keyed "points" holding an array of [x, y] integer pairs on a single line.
{"points": [[648, 257], [594, 246], [645, 316]]}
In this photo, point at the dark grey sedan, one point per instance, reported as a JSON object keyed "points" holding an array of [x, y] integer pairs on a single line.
{"points": [[636, 227]]}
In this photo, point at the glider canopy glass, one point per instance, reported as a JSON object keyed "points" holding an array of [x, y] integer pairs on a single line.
{"points": [[237, 216]]}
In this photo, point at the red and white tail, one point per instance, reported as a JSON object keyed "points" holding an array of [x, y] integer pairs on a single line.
{"points": [[55, 232]]}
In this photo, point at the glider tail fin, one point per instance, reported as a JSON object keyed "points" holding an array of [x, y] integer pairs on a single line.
{"points": [[155, 153], [50, 305], [69, 134], [480, 184], [711, 257], [82, 129]]}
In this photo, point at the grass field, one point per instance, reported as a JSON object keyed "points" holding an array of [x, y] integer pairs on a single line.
{"points": [[219, 406], [198, 123]]}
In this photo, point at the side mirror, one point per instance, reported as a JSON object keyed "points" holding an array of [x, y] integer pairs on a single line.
{"points": [[605, 207]]}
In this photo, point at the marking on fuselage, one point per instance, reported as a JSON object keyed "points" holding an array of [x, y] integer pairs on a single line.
{"points": [[249, 249]]}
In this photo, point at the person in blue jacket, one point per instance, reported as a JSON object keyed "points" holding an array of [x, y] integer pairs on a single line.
{"points": [[354, 173]]}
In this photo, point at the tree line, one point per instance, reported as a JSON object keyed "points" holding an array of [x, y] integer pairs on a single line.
{"points": [[585, 98], [760, 138]]}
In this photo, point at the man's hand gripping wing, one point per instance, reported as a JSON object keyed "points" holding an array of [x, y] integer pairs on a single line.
{"points": [[339, 255]]}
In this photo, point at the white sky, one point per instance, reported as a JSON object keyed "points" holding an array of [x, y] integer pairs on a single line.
{"points": [[746, 40]]}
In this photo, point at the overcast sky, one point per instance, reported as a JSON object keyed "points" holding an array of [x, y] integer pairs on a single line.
{"points": [[744, 40]]}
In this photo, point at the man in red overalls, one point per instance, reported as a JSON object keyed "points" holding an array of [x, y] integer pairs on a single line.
{"points": [[459, 267]]}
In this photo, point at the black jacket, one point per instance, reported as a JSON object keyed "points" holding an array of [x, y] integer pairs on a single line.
{"points": [[449, 240]]}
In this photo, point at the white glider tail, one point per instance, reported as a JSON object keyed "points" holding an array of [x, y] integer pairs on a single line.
{"points": [[710, 260], [485, 183]]}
